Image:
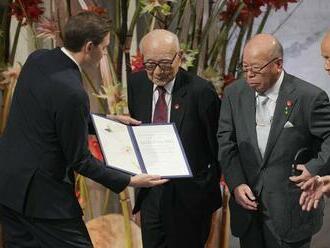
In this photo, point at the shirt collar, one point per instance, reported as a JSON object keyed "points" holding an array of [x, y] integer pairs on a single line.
{"points": [[273, 92], [67, 53], [168, 87]]}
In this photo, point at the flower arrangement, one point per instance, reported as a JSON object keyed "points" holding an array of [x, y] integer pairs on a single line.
{"points": [[211, 33]]}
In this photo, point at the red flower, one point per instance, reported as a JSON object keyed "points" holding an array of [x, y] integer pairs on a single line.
{"points": [[78, 194], [251, 9], [278, 4], [137, 62], [94, 147], [26, 11], [231, 8], [228, 79], [80, 199], [289, 103], [97, 10]]}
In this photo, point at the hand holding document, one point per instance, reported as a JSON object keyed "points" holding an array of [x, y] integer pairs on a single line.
{"points": [[146, 181], [150, 149]]}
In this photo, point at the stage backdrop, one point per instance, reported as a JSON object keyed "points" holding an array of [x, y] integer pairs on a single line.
{"points": [[301, 35]]}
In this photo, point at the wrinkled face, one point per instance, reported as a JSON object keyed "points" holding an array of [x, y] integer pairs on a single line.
{"points": [[97, 51], [261, 72], [161, 63], [325, 52]]}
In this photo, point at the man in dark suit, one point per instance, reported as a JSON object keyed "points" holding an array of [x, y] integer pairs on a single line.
{"points": [[178, 213], [318, 186], [266, 118], [46, 141]]}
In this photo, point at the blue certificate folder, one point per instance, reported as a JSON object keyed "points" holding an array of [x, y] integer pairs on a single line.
{"points": [[154, 149]]}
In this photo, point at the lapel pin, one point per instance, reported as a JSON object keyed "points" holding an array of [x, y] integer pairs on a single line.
{"points": [[289, 104], [176, 106]]}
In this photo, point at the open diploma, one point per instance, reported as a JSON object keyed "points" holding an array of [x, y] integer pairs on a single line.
{"points": [[152, 149]]}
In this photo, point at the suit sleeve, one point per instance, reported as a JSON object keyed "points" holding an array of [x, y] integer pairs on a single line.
{"points": [[209, 110], [228, 149], [319, 126], [72, 129]]}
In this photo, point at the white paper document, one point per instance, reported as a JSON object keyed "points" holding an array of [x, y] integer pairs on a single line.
{"points": [[151, 149]]}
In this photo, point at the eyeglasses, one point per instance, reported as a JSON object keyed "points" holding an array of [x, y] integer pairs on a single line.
{"points": [[164, 64], [255, 69]]}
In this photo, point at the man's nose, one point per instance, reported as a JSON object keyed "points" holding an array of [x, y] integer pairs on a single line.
{"points": [[249, 74], [158, 70]]}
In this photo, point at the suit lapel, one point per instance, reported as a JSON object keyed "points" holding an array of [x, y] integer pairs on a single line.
{"points": [[178, 103], [284, 105], [248, 105]]}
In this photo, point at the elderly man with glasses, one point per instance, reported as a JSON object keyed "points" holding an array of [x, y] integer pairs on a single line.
{"points": [[318, 186], [268, 119], [179, 213]]}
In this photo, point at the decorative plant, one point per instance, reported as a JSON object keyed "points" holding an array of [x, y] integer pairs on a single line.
{"points": [[211, 33]]}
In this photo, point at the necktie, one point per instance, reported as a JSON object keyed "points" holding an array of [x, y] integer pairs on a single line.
{"points": [[263, 120], [160, 111]]}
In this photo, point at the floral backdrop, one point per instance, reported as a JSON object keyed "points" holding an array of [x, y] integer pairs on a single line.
{"points": [[211, 33]]}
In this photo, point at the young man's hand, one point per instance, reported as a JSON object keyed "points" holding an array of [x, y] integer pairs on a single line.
{"points": [[146, 181]]}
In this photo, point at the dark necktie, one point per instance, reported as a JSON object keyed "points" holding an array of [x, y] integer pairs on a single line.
{"points": [[160, 111]]}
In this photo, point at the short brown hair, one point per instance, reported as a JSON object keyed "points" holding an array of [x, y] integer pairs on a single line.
{"points": [[84, 27]]}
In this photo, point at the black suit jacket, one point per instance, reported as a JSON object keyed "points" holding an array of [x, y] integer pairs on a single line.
{"points": [[307, 108], [46, 140], [194, 110]]}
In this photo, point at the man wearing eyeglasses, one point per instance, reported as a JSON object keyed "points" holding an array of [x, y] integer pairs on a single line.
{"points": [[265, 119], [179, 213], [318, 186]]}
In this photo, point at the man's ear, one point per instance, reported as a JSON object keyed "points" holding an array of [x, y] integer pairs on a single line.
{"points": [[180, 53], [279, 63], [88, 46]]}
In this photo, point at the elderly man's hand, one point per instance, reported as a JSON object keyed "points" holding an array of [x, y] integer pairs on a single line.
{"points": [[326, 185], [313, 191], [245, 198], [125, 119], [303, 177], [146, 181]]}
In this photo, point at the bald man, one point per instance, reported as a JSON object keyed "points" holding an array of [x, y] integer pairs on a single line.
{"points": [[325, 51], [315, 188], [179, 213], [266, 118]]}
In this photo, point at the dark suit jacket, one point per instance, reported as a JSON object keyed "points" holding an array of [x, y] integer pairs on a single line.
{"points": [[269, 177], [194, 110], [46, 140]]}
